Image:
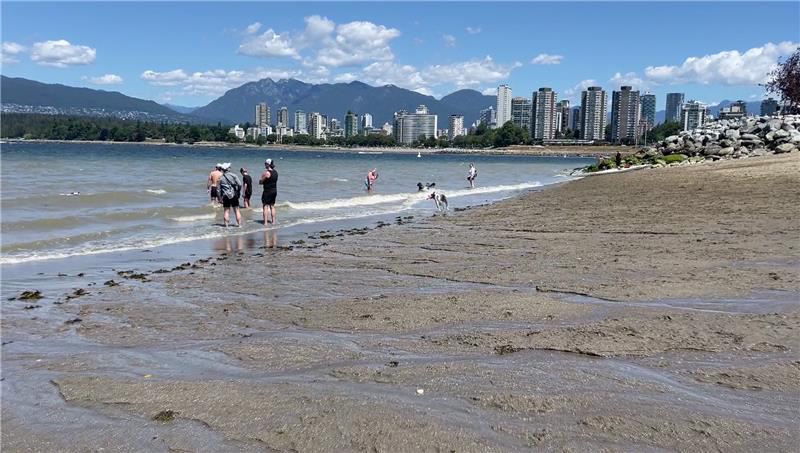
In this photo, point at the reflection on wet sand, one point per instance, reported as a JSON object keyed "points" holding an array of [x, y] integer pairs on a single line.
{"points": [[270, 239]]}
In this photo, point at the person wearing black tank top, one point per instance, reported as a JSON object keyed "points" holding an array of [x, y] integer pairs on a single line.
{"points": [[269, 179]]}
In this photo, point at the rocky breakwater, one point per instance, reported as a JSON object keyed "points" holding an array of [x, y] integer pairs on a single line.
{"points": [[723, 139]]}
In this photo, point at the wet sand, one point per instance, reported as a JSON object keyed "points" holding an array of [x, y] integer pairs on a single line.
{"points": [[655, 309]]}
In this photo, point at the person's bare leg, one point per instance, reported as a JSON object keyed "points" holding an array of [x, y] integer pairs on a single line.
{"points": [[264, 213], [226, 215], [272, 212], [238, 216]]}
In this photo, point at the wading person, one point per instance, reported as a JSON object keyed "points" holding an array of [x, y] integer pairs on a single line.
{"points": [[230, 188], [213, 182], [372, 175], [247, 186], [269, 179], [471, 175]]}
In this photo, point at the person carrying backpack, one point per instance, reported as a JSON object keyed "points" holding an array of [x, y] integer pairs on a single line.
{"points": [[229, 188]]}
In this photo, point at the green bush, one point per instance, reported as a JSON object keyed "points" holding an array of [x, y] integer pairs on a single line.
{"points": [[672, 158]]}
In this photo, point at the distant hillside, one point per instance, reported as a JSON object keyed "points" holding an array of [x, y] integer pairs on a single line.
{"points": [[180, 108], [35, 97], [238, 104]]}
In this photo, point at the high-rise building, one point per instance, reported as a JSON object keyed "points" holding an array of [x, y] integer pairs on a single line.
{"points": [[648, 101], [733, 111], [262, 115], [456, 126], [350, 124], [366, 121], [315, 125], [693, 115], [488, 117], [503, 105], [575, 120], [544, 121], [410, 127], [521, 112], [674, 106], [593, 114], [625, 114], [283, 117], [769, 107], [563, 113], [300, 125]]}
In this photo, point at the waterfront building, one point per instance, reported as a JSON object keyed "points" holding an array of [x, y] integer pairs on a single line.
{"points": [[733, 111], [563, 113], [503, 105], [488, 117], [350, 124], [521, 112], [315, 126], [388, 128], [238, 131], [263, 118], [674, 107], [410, 127], [625, 113], [693, 115], [253, 132], [648, 102], [769, 107], [300, 124], [456, 126], [544, 119], [365, 121], [593, 114], [283, 117], [575, 119]]}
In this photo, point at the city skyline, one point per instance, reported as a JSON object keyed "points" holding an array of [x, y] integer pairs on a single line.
{"points": [[227, 45]]}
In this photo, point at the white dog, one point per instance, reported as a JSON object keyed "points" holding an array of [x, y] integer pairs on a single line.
{"points": [[440, 199]]}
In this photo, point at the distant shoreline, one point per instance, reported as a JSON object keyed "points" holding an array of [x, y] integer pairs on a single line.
{"points": [[521, 150]]}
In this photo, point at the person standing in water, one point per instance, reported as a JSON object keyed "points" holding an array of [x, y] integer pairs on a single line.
{"points": [[471, 175], [269, 179], [213, 182], [247, 186], [230, 188], [372, 175]]}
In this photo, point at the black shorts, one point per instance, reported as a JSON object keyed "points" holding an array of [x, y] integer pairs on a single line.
{"points": [[213, 193], [230, 202], [247, 195], [268, 198]]}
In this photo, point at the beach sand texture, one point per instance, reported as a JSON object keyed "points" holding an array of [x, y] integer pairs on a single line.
{"points": [[656, 309]]}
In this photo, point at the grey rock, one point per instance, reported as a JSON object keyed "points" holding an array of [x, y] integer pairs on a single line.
{"points": [[758, 152], [785, 148], [781, 133], [749, 137], [732, 134], [728, 150]]}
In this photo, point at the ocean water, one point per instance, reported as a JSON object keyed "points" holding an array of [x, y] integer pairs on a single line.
{"points": [[138, 198]]}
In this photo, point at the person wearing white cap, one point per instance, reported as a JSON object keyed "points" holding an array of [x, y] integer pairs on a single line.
{"points": [[230, 188], [269, 179], [213, 182]]}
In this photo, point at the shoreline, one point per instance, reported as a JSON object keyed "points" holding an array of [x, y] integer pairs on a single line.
{"points": [[521, 150], [577, 316]]}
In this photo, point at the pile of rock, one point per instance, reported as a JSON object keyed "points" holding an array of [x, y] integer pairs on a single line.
{"points": [[722, 139]]}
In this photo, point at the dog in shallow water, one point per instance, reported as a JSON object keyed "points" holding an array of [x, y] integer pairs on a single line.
{"points": [[440, 199]]}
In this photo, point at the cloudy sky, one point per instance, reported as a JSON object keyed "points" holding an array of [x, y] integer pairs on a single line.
{"points": [[190, 53]]}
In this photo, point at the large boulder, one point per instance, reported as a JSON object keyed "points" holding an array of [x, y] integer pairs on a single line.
{"points": [[727, 151], [785, 148], [732, 134]]}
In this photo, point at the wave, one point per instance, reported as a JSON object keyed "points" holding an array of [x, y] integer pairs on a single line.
{"points": [[339, 179], [193, 218], [405, 198], [157, 191]]}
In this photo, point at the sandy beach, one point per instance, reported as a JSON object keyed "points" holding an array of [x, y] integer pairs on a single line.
{"points": [[647, 310]]}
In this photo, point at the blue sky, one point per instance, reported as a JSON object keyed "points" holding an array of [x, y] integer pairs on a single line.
{"points": [[189, 53]]}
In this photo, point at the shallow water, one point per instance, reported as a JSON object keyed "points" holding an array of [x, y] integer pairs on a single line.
{"points": [[143, 205]]}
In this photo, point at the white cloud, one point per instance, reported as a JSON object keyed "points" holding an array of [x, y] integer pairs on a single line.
{"points": [[574, 92], [213, 82], [544, 58], [107, 79], [357, 42], [489, 91], [253, 28], [449, 40], [269, 44], [473, 30], [164, 79], [629, 78], [345, 77], [729, 67], [61, 53], [10, 50]]}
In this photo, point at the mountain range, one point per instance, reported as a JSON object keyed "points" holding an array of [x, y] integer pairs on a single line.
{"points": [[238, 104]]}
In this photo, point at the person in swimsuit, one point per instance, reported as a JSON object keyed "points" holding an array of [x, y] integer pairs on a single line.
{"points": [[269, 179], [471, 175], [371, 177], [213, 182], [247, 187]]}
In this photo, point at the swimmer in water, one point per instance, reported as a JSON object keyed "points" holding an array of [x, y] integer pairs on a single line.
{"points": [[471, 175], [372, 175]]}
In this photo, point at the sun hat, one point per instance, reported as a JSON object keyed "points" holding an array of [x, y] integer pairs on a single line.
{"points": [[268, 162], [226, 166]]}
